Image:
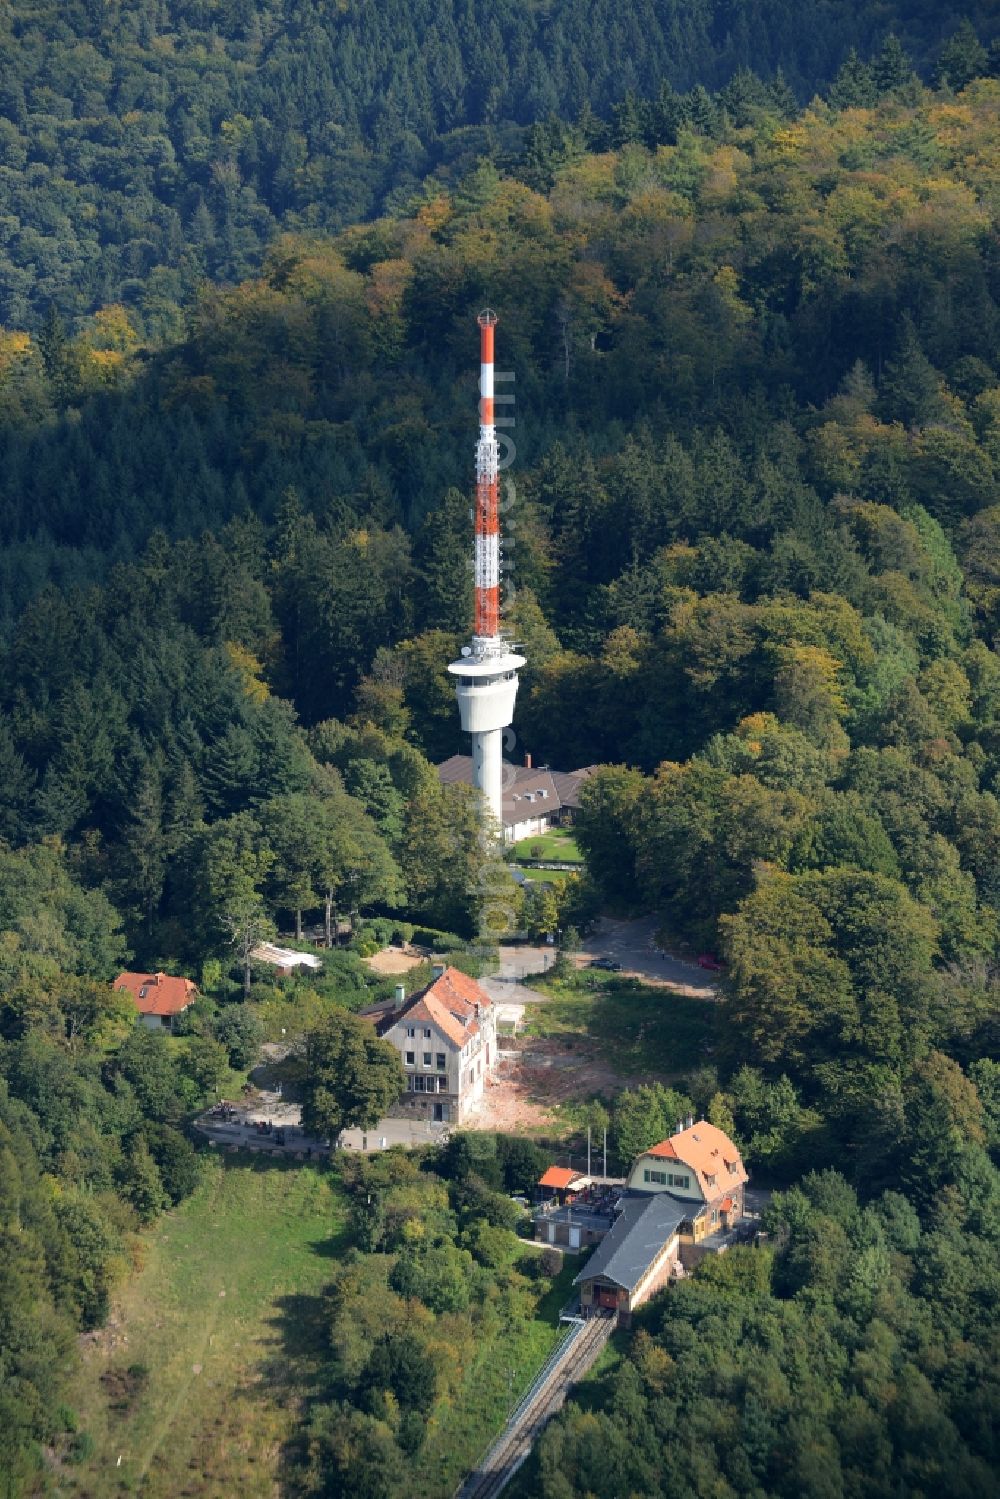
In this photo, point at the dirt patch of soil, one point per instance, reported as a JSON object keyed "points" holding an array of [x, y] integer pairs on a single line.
{"points": [[529, 1085], [393, 960]]}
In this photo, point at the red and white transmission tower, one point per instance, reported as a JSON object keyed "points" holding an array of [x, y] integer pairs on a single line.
{"points": [[487, 671], [487, 621]]}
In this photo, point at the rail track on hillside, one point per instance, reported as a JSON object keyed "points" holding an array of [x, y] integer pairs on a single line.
{"points": [[565, 1365]]}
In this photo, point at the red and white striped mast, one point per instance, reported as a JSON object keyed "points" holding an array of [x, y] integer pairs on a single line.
{"points": [[487, 619], [487, 672]]}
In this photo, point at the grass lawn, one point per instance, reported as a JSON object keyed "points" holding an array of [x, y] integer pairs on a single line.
{"points": [[640, 1028], [556, 844], [211, 1353], [223, 1314]]}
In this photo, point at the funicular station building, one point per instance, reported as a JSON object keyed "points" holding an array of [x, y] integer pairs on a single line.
{"points": [[683, 1198]]}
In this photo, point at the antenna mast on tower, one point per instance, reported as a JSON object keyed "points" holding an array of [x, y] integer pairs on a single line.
{"points": [[487, 673], [487, 620]]}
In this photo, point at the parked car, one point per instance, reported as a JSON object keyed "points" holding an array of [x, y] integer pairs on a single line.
{"points": [[711, 962], [607, 964]]}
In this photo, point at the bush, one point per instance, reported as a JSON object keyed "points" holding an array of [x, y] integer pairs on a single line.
{"points": [[81, 1448], [176, 1159], [425, 936], [377, 929], [239, 1030]]}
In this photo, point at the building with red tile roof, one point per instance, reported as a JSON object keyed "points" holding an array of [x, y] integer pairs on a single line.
{"points": [[699, 1164], [446, 1038], [560, 1177], [683, 1199], [159, 997]]}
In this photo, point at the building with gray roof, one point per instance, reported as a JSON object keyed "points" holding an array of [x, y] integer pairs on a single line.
{"points": [[534, 798], [638, 1256]]}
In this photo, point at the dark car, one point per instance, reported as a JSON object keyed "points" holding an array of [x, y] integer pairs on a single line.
{"points": [[607, 964], [710, 961]]}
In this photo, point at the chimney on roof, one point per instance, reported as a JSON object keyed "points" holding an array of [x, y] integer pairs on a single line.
{"points": [[400, 996], [689, 1122], [680, 1126], [437, 970], [527, 762]]}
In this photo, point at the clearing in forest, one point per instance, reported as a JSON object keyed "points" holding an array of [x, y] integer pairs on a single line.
{"points": [[194, 1386]]}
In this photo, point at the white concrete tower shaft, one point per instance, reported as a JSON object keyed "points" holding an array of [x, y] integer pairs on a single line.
{"points": [[487, 672]]}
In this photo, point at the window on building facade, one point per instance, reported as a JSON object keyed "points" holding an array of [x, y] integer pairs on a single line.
{"points": [[442, 1061], [427, 1033], [410, 1059], [410, 1032], [427, 1059], [658, 1178]]}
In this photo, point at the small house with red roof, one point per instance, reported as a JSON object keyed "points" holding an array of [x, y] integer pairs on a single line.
{"points": [[561, 1183], [446, 1038], [159, 997]]}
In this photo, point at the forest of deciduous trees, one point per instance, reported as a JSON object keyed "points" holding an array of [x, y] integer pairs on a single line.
{"points": [[145, 146], [754, 566]]}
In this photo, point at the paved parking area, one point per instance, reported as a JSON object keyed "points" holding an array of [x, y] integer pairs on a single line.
{"points": [[242, 1131], [631, 943]]}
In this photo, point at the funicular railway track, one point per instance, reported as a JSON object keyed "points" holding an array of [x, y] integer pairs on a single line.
{"points": [[568, 1363]]}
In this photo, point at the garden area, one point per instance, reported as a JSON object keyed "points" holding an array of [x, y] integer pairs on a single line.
{"points": [[557, 846]]}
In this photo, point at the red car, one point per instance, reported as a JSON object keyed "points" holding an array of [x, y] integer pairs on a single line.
{"points": [[709, 961]]}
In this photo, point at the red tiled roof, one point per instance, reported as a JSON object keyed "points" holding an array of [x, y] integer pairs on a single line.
{"points": [[557, 1176], [452, 1003], [157, 993], [431, 1011], [708, 1152]]}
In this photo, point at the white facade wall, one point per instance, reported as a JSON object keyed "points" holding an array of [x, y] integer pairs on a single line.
{"points": [[157, 1022], [461, 1082], [674, 1174], [532, 827]]}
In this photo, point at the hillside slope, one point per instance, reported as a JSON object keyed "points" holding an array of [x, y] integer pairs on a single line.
{"points": [[144, 146]]}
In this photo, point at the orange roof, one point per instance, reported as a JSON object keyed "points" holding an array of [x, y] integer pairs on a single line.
{"points": [[430, 1009], [557, 1176], [708, 1152], [454, 986], [451, 1003], [157, 993]]}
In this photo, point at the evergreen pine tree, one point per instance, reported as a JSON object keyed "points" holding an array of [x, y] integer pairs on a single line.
{"points": [[963, 57], [854, 86], [891, 68], [910, 390]]}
